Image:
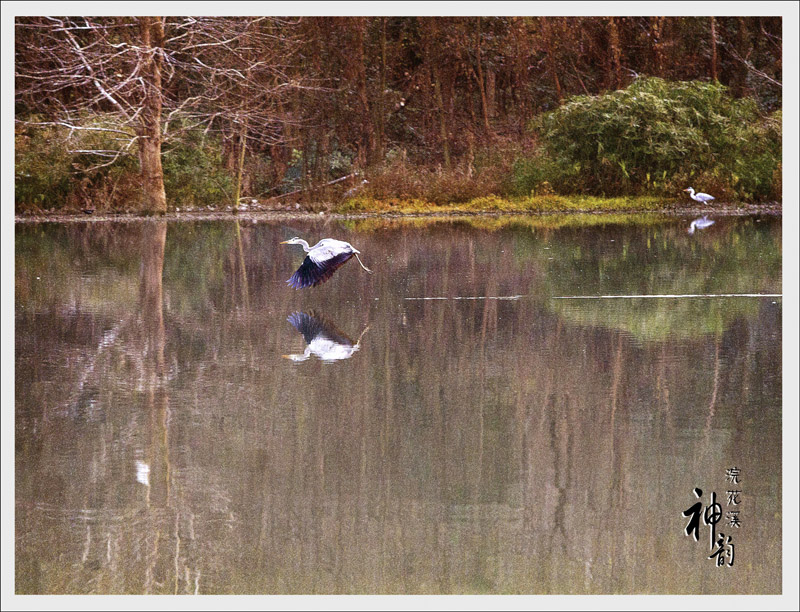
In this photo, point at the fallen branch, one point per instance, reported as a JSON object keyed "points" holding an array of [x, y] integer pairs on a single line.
{"points": [[296, 191]]}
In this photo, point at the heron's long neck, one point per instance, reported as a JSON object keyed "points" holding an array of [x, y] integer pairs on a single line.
{"points": [[304, 244]]}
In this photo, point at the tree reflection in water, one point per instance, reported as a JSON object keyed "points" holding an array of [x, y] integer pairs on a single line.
{"points": [[473, 445]]}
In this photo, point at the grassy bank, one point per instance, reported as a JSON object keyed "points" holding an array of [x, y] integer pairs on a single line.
{"points": [[529, 204]]}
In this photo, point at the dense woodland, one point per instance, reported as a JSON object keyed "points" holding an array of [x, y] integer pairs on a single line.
{"points": [[155, 112]]}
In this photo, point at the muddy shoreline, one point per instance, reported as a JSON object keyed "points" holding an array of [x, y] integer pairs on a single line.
{"points": [[293, 215]]}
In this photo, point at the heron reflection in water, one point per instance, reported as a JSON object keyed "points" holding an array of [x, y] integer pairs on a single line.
{"points": [[322, 337], [701, 223]]}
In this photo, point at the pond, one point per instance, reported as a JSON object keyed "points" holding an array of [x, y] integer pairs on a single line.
{"points": [[476, 416]]}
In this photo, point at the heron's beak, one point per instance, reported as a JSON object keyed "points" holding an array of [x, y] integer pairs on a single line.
{"points": [[686, 190], [287, 242]]}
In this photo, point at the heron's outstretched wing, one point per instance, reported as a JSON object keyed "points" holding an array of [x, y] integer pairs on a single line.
{"points": [[311, 274]]}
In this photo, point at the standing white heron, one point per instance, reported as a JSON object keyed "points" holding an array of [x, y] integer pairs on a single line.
{"points": [[323, 259], [700, 223], [351, 192], [703, 198]]}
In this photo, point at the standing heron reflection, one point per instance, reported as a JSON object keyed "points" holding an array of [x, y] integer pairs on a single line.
{"points": [[322, 337], [701, 223]]}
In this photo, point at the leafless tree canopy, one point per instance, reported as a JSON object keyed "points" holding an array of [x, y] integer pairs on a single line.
{"points": [[359, 86]]}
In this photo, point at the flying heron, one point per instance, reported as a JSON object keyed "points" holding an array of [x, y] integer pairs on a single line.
{"points": [[700, 223], [322, 337], [703, 198], [323, 259]]}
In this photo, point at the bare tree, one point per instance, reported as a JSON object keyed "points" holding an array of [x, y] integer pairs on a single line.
{"points": [[142, 80], [235, 75], [74, 70]]}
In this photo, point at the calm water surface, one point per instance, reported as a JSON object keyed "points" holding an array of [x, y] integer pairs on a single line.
{"points": [[186, 423]]}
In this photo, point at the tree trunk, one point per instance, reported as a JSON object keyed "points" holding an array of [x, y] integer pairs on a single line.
{"points": [[616, 53], [471, 96], [154, 198], [521, 45], [279, 156], [714, 58], [743, 44], [367, 132], [240, 165], [442, 117], [491, 93], [551, 60], [381, 111], [657, 32], [281, 153], [481, 83]]}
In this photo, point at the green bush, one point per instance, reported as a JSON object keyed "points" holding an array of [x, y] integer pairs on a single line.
{"points": [[41, 167], [53, 169], [194, 171], [52, 173], [656, 137], [543, 175]]}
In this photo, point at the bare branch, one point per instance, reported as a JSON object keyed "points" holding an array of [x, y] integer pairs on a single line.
{"points": [[752, 68]]}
